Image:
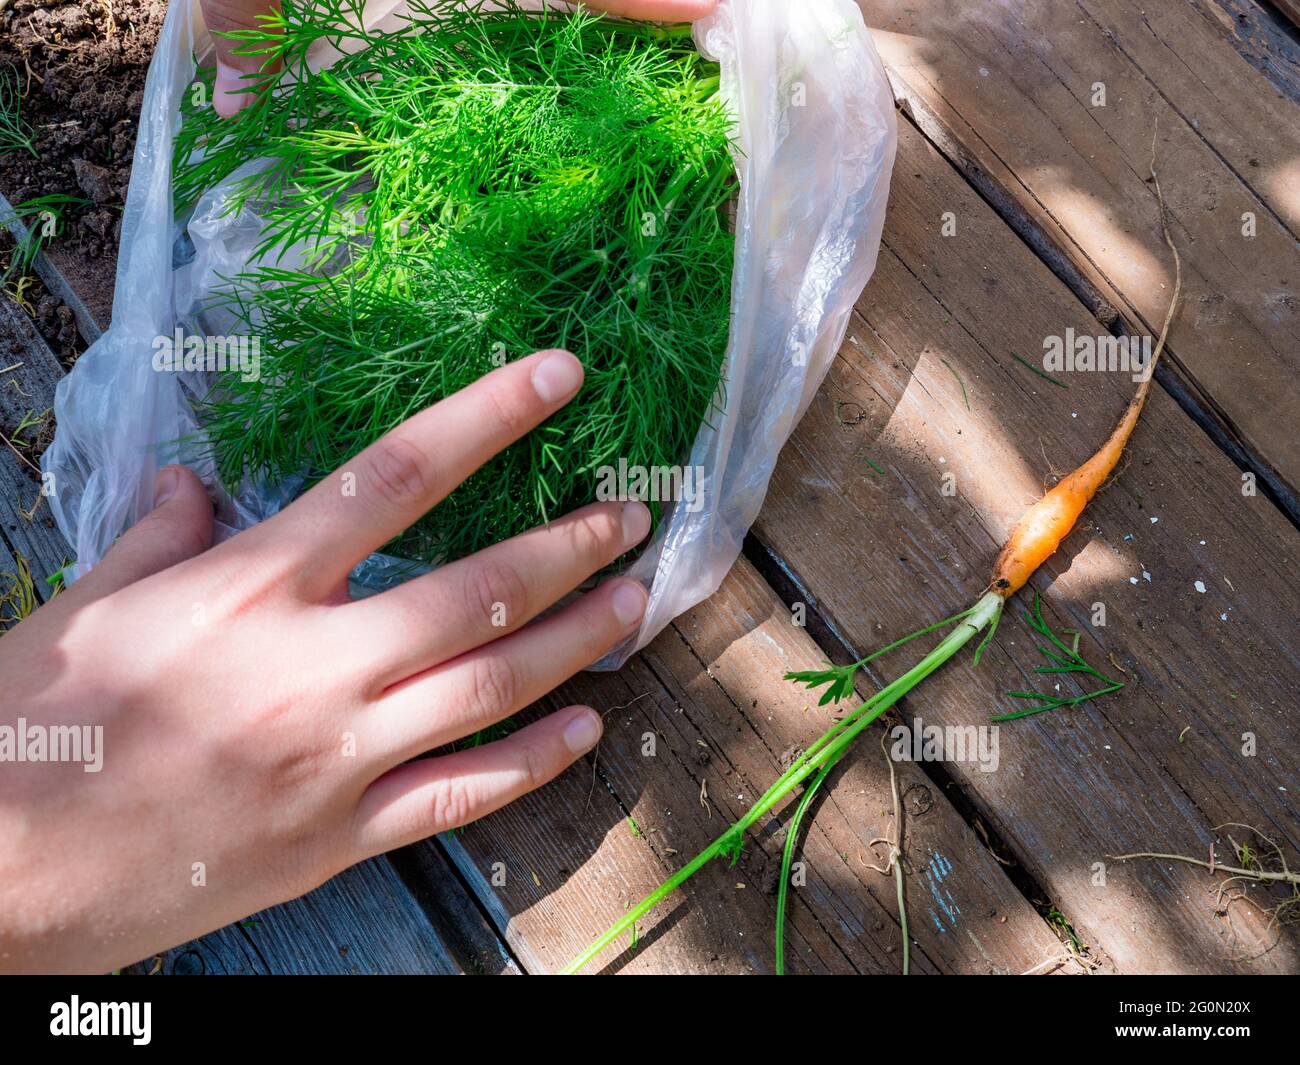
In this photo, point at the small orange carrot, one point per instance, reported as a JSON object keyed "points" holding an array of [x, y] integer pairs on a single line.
{"points": [[1043, 526]]}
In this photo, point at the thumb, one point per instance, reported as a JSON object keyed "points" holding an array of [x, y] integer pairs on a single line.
{"points": [[178, 528], [234, 90]]}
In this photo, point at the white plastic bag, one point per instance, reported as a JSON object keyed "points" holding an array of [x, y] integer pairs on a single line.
{"points": [[816, 137]]}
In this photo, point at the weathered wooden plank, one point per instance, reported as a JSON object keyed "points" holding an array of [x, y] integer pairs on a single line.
{"points": [[8, 564], [26, 388], [1152, 769], [435, 885], [1290, 9], [1266, 38], [696, 727], [1010, 93], [32, 370], [8, 574], [363, 921], [26, 524]]}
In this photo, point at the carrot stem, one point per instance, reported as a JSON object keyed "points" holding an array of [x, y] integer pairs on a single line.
{"points": [[828, 748], [787, 856]]}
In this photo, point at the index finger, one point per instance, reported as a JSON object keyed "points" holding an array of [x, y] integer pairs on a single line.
{"points": [[405, 473]]}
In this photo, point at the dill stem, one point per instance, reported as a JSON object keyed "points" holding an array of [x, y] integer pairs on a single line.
{"points": [[824, 752]]}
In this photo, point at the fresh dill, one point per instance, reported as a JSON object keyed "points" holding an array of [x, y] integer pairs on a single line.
{"points": [[453, 193]]}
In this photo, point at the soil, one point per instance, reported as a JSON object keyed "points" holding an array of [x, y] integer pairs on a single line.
{"points": [[79, 68], [53, 318]]}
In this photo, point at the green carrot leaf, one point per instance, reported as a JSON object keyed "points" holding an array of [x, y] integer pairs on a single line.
{"points": [[840, 679]]}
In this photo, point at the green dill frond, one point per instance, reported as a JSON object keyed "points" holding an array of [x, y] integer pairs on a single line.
{"points": [[1064, 659]]}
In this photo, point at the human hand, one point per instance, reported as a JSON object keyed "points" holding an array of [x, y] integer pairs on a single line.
{"points": [[258, 725], [234, 90]]}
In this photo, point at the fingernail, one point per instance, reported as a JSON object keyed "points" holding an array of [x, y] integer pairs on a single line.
{"points": [[628, 601], [557, 376], [583, 732], [636, 523], [165, 485]]}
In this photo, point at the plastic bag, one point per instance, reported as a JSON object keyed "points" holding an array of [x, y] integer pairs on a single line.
{"points": [[816, 137]]}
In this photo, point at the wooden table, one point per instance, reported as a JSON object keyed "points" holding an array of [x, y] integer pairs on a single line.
{"points": [[1028, 126]]}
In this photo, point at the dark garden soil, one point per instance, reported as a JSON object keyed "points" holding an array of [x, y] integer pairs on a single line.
{"points": [[80, 69]]}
